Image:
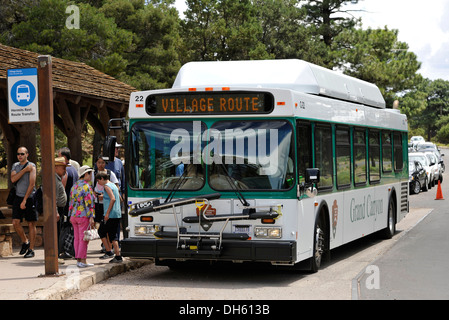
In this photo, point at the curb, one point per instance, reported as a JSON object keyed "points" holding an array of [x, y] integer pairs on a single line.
{"points": [[74, 280]]}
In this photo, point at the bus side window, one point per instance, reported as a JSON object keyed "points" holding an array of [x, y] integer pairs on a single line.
{"points": [[304, 142], [398, 152], [324, 155], [343, 157], [374, 157], [387, 156], [359, 157]]}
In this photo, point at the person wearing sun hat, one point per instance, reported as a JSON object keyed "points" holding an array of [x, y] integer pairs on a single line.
{"points": [[82, 213]]}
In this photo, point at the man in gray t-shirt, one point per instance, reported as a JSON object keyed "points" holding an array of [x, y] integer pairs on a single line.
{"points": [[23, 174]]}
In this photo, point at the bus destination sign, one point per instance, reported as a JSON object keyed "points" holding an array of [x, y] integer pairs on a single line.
{"points": [[204, 103]]}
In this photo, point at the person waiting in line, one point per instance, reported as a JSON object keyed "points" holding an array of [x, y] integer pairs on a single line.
{"points": [[111, 219], [68, 180], [101, 168], [23, 174], [98, 189], [116, 166], [61, 197], [82, 213]]}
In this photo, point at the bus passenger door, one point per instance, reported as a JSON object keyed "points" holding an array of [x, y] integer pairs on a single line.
{"points": [[306, 208], [305, 151]]}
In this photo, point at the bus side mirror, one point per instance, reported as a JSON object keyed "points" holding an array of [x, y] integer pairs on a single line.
{"points": [[312, 175], [109, 148]]}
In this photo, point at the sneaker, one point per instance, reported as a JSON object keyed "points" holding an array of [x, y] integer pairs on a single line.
{"points": [[65, 256], [107, 255], [83, 265], [29, 254], [117, 259], [25, 247]]}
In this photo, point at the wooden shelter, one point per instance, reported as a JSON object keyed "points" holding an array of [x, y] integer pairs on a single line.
{"points": [[80, 92]]}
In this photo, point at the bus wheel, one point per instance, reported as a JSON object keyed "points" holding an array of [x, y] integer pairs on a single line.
{"points": [[390, 230], [319, 244]]}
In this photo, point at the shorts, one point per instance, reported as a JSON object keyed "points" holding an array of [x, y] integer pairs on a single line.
{"points": [[29, 213], [109, 228]]}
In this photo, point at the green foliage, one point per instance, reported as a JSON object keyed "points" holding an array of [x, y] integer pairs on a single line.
{"points": [[154, 59], [144, 43], [98, 41], [427, 107], [378, 57]]}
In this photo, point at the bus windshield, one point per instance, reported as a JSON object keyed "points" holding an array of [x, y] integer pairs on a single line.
{"points": [[245, 155], [254, 155]]}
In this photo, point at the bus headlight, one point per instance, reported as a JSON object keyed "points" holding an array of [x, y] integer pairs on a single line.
{"points": [[145, 230], [268, 232]]}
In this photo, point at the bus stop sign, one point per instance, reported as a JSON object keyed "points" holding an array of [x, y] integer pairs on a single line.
{"points": [[23, 99]]}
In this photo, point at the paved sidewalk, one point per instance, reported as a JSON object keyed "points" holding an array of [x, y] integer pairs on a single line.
{"points": [[24, 279]]}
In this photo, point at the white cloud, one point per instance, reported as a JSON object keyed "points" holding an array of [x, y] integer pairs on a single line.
{"points": [[422, 25]]}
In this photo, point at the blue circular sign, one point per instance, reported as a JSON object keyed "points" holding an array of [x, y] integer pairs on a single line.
{"points": [[23, 93]]}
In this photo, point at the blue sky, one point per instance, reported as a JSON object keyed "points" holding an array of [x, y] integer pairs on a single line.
{"points": [[423, 25]]}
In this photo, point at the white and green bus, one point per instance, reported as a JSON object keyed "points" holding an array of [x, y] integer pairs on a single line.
{"points": [[276, 161]]}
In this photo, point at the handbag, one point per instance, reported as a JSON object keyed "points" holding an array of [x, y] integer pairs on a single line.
{"points": [[11, 196], [66, 238], [91, 234], [12, 191]]}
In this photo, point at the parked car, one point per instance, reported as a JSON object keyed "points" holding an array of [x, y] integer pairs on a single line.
{"points": [[425, 163], [434, 166], [429, 146], [416, 140], [417, 176]]}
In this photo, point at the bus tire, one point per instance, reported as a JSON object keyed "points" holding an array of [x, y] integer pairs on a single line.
{"points": [[390, 230], [319, 243]]}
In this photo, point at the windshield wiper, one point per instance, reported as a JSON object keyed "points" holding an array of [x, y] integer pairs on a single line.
{"points": [[176, 187], [235, 188]]}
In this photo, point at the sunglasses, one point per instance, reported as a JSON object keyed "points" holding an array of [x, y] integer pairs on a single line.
{"points": [[20, 154]]}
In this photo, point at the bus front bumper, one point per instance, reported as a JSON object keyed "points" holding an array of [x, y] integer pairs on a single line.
{"points": [[231, 250]]}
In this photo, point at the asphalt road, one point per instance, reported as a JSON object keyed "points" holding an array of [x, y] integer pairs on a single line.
{"points": [[415, 267], [409, 266]]}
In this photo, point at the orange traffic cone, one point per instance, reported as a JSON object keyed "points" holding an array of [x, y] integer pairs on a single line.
{"points": [[439, 192]]}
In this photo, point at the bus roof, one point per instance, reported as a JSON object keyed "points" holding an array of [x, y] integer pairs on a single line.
{"points": [[293, 74]]}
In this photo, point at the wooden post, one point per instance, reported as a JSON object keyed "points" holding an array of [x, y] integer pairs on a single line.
{"points": [[48, 163]]}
